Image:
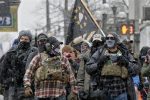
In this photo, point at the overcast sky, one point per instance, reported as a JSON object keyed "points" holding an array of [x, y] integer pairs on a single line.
{"points": [[26, 14]]}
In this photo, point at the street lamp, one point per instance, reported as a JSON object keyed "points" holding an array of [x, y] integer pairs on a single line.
{"points": [[114, 9]]}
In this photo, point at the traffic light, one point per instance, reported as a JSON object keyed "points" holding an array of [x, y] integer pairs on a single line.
{"points": [[131, 29], [124, 29], [127, 28]]}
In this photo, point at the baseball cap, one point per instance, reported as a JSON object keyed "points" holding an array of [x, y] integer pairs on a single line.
{"points": [[97, 37]]}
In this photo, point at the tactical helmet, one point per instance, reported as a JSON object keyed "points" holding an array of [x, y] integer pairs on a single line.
{"points": [[53, 41], [25, 33]]}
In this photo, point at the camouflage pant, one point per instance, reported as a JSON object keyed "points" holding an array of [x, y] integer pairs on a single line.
{"points": [[13, 93]]}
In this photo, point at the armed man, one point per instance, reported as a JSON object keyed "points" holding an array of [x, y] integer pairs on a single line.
{"points": [[13, 67], [50, 72], [41, 41], [115, 67]]}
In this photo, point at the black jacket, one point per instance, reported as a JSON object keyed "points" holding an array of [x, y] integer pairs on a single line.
{"points": [[13, 65]]}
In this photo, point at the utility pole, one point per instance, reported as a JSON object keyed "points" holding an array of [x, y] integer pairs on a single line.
{"points": [[47, 16], [65, 19], [104, 19], [134, 14]]}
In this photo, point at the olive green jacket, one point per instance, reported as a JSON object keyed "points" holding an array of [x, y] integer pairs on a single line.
{"points": [[83, 79]]}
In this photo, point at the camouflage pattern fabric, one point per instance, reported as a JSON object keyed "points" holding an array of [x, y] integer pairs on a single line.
{"points": [[51, 69], [114, 70]]}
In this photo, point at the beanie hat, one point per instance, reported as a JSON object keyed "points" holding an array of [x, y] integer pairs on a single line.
{"points": [[25, 33]]}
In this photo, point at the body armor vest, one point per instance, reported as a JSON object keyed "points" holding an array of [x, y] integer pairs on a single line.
{"points": [[51, 69], [111, 68]]}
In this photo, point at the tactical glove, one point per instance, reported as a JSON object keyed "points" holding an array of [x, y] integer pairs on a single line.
{"points": [[28, 91], [122, 61], [103, 59]]}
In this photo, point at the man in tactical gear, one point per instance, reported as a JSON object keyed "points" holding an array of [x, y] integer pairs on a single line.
{"points": [[115, 66], [50, 72], [13, 67], [42, 39]]}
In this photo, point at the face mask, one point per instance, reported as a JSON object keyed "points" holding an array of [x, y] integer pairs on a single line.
{"points": [[24, 45], [41, 47], [110, 43], [48, 47], [52, 50], [57, 50], [96, 43]]}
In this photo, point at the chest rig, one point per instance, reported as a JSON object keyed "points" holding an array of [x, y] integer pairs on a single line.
{"points": [[51, 69], [111, 68]]}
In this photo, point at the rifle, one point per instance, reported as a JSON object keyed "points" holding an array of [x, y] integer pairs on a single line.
{"points": [[35, 42]]}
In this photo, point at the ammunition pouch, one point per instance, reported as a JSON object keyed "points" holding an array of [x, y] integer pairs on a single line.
{"points": [[114, 70], [51, 75]]}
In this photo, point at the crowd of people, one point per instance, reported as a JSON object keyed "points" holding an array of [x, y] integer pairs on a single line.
{"points": [[103, 69]]}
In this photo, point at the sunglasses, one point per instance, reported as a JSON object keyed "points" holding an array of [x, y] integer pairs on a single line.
{"points": [[110, 38], [43, 40]]}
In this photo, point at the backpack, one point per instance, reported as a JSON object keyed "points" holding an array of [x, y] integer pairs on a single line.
{"points": [[51, 69]]}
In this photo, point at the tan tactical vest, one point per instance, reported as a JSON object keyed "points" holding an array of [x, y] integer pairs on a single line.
{"points": [[51, 69], [112, 69]]}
